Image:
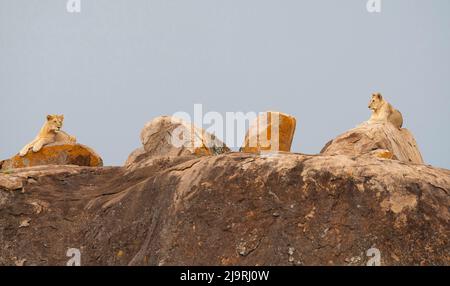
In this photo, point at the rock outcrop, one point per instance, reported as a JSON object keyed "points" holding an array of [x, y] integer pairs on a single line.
{"points": [[169, 136], [379, 139], [271, 131], [55, 154], [231, 209], [135, 156]]}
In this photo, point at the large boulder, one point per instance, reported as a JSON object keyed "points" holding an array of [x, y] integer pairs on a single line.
{"points": [[168, 136], [55, 154], [231, 209], [383, 140], [271, 131]]}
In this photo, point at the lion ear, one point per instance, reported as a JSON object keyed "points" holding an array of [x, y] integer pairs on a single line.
{"points": [[61, 116], [49, 117], [379, 96]]}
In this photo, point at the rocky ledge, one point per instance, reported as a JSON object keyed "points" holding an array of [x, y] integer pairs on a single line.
{"points": [[55, 154]]}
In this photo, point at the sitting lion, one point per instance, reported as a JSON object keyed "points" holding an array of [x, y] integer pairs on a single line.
{"points": [[384, 112], [50, 133]]}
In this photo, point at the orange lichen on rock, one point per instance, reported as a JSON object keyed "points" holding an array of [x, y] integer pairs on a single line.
{"points": [[271, 131], [385, 155], [58, 154]]}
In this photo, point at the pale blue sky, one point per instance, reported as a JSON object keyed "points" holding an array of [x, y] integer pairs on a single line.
{"points": [[120, 63]]}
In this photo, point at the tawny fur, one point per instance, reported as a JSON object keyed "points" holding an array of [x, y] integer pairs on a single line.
{"points": [[50, 133], [383, 111]]}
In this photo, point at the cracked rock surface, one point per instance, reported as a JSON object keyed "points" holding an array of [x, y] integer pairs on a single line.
{"points": [[230, 209], [380, 139]]}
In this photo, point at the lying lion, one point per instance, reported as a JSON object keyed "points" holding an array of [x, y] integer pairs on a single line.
{"points": [[50, 133]]}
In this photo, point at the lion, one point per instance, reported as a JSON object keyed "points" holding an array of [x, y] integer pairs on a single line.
{"points": [[383, 111], [50, 133]]}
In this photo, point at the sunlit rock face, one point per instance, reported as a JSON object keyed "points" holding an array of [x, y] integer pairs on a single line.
{"points": [[56, 154], [272, 132]]}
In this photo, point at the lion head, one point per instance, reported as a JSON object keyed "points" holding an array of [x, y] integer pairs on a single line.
{"points": [[55, 122], [376, 101]]}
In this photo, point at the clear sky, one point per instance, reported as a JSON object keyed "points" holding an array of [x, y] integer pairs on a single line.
{"points": [[120, 63]]}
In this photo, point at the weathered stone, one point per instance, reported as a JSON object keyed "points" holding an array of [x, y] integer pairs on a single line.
{"points": [[171, 136], [231, 209], [261, 135], [134, 156], [368, 138], [10, 183], [31, 173], [56, 154]]}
